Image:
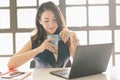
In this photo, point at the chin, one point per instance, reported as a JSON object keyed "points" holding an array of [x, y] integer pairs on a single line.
{"points": [[51, 33]]}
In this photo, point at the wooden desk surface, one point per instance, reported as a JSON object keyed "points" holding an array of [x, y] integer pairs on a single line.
{"points": [[43, 74], [112, 73]]}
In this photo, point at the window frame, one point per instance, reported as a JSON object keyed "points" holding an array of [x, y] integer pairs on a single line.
{"points": [[62, 5]]}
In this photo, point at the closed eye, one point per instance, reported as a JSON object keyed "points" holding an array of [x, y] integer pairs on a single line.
{"points": [[46, 21]]}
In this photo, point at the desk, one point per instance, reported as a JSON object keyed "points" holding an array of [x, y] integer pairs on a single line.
{"points": [[43, 74], [112, 73]]}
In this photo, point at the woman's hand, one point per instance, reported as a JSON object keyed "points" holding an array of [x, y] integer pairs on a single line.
{"points": [[70, 36], [66, 34], [47, 45]]}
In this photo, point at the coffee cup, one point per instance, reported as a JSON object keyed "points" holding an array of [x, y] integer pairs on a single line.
{"points": [[56, 41]]}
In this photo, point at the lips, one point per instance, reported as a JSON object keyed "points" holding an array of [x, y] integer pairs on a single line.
{"points": [[51, 29]]}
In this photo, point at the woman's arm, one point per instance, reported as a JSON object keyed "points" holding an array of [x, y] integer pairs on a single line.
{"points": [[74, 42], [26, 53], [22, 56], [69, 37]]}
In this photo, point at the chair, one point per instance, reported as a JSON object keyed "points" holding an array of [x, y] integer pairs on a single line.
{"points": [[32, 64]]}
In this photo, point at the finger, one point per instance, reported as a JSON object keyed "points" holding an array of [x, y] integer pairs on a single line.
{"points": [[66, 37], [50, 39], [56, 52], [62, 35], [55, 48], [52, 47]]}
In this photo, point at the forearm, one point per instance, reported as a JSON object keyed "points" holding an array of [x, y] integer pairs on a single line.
{"points": [[72, 50], [18, 60], [74, 42]]}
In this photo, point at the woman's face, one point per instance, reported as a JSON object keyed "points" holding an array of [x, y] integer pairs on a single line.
{"points": [[49, 22]]}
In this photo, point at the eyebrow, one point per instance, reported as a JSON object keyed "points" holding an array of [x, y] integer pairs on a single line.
{"points": [[48, 18], [45, 18]]}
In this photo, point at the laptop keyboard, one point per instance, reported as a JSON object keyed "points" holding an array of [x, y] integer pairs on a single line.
{"points": [[64, 72]]}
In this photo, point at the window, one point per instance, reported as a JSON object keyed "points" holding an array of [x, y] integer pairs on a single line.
{"points": [[98, 37], [82, 36], [29, 18], [4, 3], [118, 15], [118, 1], [79, 19], [4, 14], [94, 21], [21, 39], [26, 3], [98, 1], [55, 1], [5, 19], [6, 41], [117, 41], [98, 18]]}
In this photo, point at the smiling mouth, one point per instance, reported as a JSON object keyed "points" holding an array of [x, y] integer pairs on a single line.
{"points": [[51, 28]]}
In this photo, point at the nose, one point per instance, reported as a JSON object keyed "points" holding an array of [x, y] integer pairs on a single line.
{"points": [[50, 23]]}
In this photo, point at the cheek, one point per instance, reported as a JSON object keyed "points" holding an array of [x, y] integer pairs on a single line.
{"points": [[56, 25], [44, 26]]}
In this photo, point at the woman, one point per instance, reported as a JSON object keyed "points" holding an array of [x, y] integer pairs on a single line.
{"points": [[49, 20]]}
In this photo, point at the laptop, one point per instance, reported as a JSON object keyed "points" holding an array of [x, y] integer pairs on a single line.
{"points": [[88, 60]]}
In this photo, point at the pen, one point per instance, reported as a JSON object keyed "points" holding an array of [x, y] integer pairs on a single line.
{"points": [[3, 73], [6, 72], [26, 75]]}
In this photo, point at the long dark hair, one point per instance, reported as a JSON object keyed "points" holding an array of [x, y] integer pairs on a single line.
{"points": [[40, 36]]}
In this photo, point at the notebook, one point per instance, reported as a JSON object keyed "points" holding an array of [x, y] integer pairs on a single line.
{"points": [[88, 60]]}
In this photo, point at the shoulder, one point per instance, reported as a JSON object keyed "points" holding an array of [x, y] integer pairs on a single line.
{"points": [[34, 32], [26, 47]]}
